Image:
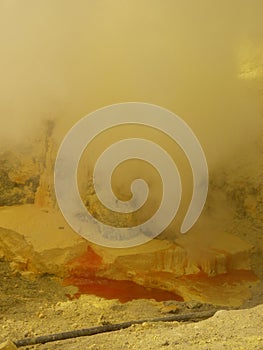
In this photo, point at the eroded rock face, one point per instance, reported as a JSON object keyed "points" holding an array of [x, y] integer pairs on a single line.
{"points": [[18, 182], [222, 276], [26, 170]]}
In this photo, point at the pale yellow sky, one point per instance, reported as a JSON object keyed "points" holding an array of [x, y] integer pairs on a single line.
{"points": [[63, 59]]}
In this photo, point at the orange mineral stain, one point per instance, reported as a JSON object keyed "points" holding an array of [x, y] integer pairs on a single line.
{"points": [[123, 290], [82, 274]]}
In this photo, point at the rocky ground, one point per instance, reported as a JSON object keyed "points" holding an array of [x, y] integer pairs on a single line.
{"points": [[38, 307]]}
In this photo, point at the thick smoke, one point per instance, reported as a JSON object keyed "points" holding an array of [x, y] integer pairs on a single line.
{"points": [[203, 60]]}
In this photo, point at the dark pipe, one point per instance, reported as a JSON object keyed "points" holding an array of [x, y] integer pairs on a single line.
{"points": [[110, 327]]}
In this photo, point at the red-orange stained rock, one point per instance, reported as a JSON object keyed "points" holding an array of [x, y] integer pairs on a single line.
{"points": [[88, 263], [123, 290], [82, 274]]}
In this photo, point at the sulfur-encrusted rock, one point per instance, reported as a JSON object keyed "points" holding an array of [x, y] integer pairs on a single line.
{"points": [[8, 345]]}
